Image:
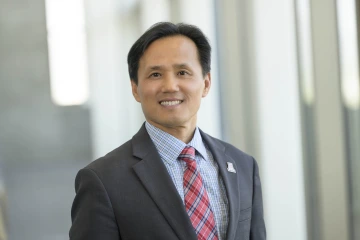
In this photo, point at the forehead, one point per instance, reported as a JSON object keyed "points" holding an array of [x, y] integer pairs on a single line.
{"points": [[170, 50]]}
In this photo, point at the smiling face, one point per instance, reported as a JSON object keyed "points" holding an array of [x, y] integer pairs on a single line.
{"points": [[171, 83]]}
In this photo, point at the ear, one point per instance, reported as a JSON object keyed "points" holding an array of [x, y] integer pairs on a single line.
{"points": [[207, 84], [134, 88]]}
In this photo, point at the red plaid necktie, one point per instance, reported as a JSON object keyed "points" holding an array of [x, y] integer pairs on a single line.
{"points": [[197, 202]]}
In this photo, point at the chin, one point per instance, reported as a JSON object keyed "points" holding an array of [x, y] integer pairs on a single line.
{"points": [[170, 123], [173, 123]]}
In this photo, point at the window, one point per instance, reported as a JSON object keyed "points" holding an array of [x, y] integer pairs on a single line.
{"points": [[67, 51], [350, 81]]}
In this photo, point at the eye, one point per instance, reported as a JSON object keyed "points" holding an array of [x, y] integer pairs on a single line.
{"points": [[155, 75], [183, 73]]}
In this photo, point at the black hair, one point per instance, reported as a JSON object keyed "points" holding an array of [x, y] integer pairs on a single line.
{"points": [[167, 29]]}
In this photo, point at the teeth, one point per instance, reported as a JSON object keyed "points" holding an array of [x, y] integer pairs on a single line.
{"points": [[170, 103]]}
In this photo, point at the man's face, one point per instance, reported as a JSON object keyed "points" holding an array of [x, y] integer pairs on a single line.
{"points": [[171, 83]]}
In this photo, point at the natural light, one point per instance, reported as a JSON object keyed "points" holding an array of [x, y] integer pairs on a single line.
{"points": [[349, 53], [67, 52]]}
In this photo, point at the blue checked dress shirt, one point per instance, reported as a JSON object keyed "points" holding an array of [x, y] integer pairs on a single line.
{"points": [[169, 149]]}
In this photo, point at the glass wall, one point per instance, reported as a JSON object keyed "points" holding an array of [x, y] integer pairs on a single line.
{"points": [[348, 28], [42, 144], [328, 59], [307, 101]]}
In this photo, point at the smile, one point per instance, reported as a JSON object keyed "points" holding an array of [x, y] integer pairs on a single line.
{"points": [[170, 103]]}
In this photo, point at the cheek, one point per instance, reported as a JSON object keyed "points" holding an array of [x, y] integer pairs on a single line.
{"points": [[194, 87], [198, 93], [149, 98], [146, 92]]}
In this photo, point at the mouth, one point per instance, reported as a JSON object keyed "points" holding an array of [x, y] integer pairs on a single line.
{"points": [[170, 102]]}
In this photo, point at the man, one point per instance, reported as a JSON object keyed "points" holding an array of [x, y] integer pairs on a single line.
{"points": [[171, 180]]}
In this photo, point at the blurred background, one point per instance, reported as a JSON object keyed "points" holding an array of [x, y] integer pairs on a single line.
{"points": [[285, 89]]}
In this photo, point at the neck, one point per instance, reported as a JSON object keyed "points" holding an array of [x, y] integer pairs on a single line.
{"points": [[183, 133]]}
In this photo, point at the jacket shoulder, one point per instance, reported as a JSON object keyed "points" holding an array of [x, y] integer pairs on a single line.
{"points": [[120, 157]]}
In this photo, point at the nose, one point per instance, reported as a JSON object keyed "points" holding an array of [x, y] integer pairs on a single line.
{"points": [[170, 84]]}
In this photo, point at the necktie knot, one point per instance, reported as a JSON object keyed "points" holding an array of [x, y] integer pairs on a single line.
{"points": [[188, 155]]}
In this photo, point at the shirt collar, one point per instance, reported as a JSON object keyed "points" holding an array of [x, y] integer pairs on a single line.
{"points": [[197, 143], [169, 147]]}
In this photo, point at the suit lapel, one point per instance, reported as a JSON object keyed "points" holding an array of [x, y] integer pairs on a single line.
{"points": [[157, 181], [230, 181]]}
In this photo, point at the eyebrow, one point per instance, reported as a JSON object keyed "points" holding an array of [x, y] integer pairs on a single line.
{"points": [[156, 67], [181, 65], [177, 66]]}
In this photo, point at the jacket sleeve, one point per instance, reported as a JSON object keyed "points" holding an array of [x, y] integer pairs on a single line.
{"points": [[258, 230], [92, 213]]}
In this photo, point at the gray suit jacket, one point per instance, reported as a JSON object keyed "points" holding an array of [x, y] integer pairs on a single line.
{"points": [[129, 195]]}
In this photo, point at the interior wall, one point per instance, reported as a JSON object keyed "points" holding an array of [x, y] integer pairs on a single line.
{"points": [[41, 145], [279, 119]]}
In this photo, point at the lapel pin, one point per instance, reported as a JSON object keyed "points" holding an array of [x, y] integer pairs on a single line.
{"points": [[230, 167]]}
